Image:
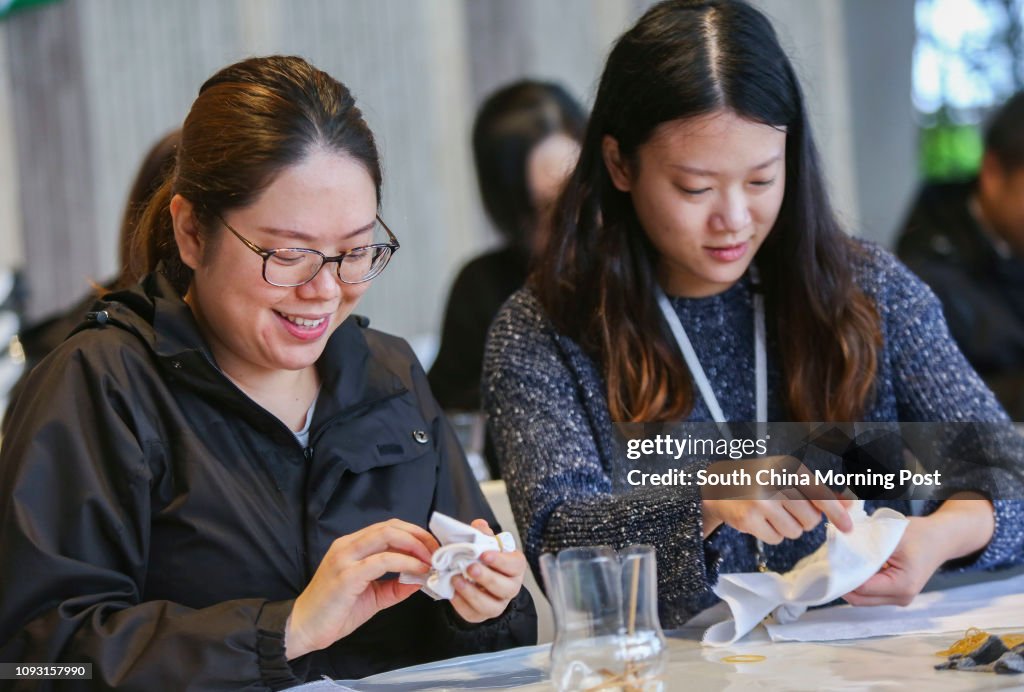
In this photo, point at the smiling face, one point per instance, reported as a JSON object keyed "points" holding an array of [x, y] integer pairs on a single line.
{"points": [[326, 202], [707, 191]]}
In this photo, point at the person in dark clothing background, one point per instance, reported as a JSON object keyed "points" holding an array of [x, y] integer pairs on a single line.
{"points": [[525, 143], [966, 240], [41, 337], [208, 483]]}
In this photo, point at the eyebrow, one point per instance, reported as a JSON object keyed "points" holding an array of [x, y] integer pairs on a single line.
{"points": [[292, 234], [705, 172]]}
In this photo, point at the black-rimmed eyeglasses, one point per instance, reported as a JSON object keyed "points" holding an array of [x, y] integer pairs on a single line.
{"points": [[295, 266]]}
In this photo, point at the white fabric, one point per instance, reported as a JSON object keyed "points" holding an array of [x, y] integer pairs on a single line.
{"points": [[303, 435], [840, 565], [461, 546], [989, 605]]}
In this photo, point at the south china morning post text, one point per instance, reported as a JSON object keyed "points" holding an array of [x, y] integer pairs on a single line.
{"points": [[758, 471]]}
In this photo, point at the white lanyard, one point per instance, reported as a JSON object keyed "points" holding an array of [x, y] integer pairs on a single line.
{"points": [[693, 363], [760, 373]]}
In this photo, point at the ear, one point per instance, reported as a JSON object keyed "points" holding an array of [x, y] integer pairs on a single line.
{"points": [[186, 232], [617, 168], [990, 173]]}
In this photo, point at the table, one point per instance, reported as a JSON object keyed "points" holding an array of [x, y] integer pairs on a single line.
{"points": [[864, 664], [880, 662]]}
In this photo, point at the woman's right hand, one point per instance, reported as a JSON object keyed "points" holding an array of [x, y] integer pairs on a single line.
{"points": [[772, 512], [346, 590]]}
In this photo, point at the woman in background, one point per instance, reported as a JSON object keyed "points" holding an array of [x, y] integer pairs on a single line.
{"points": [[38, 339], [525, 143]]}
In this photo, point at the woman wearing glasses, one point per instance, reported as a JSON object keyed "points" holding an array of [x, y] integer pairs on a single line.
{"points": [[206, 483]]}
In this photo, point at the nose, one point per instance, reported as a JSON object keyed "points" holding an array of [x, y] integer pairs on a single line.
{"points": [[325, 285], [732, 213]]}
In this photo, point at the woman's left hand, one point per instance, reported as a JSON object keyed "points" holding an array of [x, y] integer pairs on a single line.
{"points": [[963, 525], [907, 570], [497, 579]]}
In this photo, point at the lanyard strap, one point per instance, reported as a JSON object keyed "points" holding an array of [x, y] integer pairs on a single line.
{"points": [[693, 362], [760, 372]]}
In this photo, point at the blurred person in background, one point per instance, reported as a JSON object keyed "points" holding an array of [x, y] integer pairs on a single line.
{"points": [[38, 339], [525, 143], [966, 240]]}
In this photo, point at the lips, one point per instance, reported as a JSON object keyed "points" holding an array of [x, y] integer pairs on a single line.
{"points": [[728, 253], [303, 327]]}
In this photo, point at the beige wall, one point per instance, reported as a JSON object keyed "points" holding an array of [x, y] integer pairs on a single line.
{"points": [[87, 85], [11, 253]]}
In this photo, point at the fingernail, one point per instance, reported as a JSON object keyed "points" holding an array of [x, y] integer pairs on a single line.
{"points": [[474, 571], [487, 558]]}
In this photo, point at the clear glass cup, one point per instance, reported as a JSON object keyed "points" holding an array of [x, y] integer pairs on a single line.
{"points": [[607, 633]]}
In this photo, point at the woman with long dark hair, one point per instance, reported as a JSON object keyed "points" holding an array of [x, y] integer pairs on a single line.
{"points": [[525, 142], [209, 483], [697, 273]]}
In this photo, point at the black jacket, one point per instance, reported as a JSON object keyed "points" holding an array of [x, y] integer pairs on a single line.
{"points": [[157, 523], [479, 291], [982, 293]]}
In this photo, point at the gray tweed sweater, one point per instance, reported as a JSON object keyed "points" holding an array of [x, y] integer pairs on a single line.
{"points": [[554, 436]]}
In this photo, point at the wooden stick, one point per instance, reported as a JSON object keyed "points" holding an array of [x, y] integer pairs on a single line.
{"points": [[634, 588]]}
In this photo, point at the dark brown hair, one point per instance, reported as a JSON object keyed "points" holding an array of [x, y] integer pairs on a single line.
{"points": [[511, 122], [250, 121], [154, 169], [681, 60]]}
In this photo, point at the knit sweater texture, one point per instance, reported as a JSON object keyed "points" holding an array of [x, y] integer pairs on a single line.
{"points": [[555, 439]]}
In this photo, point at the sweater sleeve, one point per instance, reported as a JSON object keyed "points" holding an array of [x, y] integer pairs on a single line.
{"points": [[74, 534], [978, 446], [560, 484]]}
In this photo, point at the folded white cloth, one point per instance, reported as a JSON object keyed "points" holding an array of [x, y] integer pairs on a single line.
{"points": [[990, 605], [461, 546], [842, 563]]}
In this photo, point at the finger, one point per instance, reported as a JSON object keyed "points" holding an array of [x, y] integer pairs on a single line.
{"points": [[836, 513], [883, 583], [763, 529], [477, 599], [804, 512], [392, 591], [853, 598], [783, 522], [362, 572], [496, 584], [483, 526], [511, 564], [465, 610], [419, 532], [382, 537]]}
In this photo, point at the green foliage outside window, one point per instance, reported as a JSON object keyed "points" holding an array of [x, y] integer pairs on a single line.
{"points": [[949, 151]]}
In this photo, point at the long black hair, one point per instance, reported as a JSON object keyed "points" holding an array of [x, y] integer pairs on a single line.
{"points": [[684, 59]]}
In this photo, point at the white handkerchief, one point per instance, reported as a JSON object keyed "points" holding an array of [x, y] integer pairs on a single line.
{"points": [[461, 546], [842, 563]]}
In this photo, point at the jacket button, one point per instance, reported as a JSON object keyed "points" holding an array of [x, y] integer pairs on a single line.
{"points": [[420, 436], [176, 364]]}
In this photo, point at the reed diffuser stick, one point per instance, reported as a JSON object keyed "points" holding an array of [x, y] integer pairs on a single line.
{"points": [[634, 588]]}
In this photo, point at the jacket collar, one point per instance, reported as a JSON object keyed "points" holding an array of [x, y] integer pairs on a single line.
{"points": [[352, 375]]}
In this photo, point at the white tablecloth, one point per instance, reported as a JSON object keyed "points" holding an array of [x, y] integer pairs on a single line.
{"points": [[891, 662]]}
